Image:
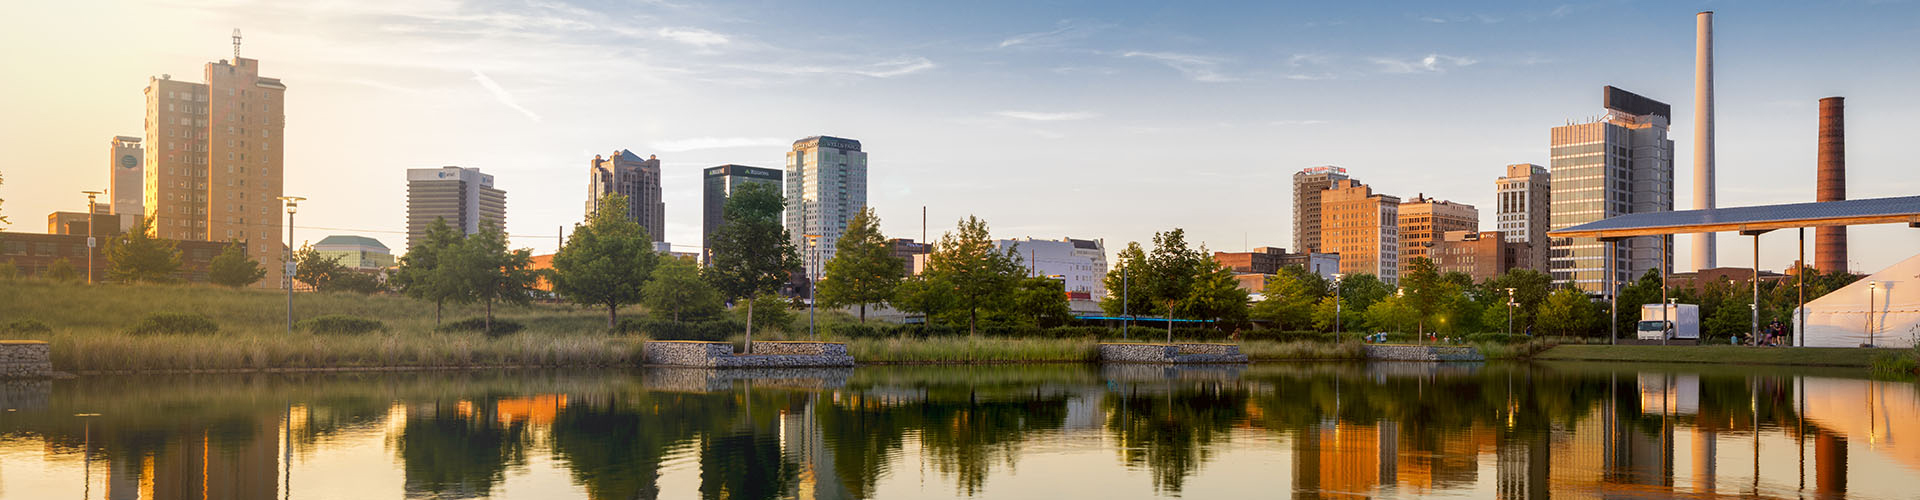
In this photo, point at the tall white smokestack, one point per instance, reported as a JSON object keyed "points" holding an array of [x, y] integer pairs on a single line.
{"points": [[1703, 246]]}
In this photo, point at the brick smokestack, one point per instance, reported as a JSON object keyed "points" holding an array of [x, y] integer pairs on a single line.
{"points": [[1830, 243]]}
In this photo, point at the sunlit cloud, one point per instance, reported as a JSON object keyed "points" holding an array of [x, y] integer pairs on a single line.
{"points": [[1432, 63], [501, 94], [694, 36], [1196, 67], [699, 143], [1041, 116]]}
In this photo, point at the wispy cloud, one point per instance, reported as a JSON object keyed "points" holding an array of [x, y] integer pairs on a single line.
{"points": [[699, 143], [1067, 30], [1459, 18], [896, 67], [694, 36], [1043, 116], [1432, 63], [1298, 122], [501, 94], [1196, 67]]}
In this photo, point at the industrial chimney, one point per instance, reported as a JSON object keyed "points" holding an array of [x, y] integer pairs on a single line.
{"points": [[1830, 243], [1703, 246]]}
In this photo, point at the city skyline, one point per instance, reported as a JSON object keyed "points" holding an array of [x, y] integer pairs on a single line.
{"points": [[1061, 93]]}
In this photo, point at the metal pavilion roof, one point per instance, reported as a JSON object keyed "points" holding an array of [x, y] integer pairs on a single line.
{"points": [[1752, 219]]}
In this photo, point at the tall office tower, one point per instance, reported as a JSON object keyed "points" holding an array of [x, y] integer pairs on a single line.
{"points": [[1307, 186], [637, 179], [464, 197], [1521, 210], [213, 167], [826, 187], [126, 186], [1363, 227], [720, 183], [1621, 163], [1424, 220]]}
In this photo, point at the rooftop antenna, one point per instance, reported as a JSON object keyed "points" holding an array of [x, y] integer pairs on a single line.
{"points": [[236, 45]]}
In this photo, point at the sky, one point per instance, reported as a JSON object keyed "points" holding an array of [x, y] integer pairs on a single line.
{"points": [[1109, 120]]}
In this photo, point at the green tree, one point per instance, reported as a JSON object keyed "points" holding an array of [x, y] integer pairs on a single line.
{"points": [[232, 268], [863, 270], [318, 270], [769, 309], [1391, 313], [1323, 315], [606, 261], [1568, 312], [1289, 298], [1425, 292], [752, 253], [489, 271], [1175, 269], [982, 277], [136, 256], [63, 270], [1361, 290], [1530, 289], [924, 294], [675, 291], [1129, 268], [1215, 295], [1043, 300], [419, 275]]}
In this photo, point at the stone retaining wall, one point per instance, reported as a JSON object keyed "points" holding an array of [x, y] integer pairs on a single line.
{"points": [[1171, 353], [24, 359], [689, 379], [766, 354], [1423, 353]]}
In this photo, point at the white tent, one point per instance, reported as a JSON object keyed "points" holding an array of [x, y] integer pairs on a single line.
{"points": [[1842, 318]]}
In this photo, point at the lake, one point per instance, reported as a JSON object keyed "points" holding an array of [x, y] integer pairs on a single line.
{"points": [[999, 431]]}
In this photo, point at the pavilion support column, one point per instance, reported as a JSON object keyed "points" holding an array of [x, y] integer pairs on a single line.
{"points": [[1754, 337]]}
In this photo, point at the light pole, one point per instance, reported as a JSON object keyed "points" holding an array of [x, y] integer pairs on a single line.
{"points": [[813, 281], [1872, 286], [1126, 313], [86, 446], [91, 243], [1336, 304], [1509, 312], [1666, 316], [293, 205]]}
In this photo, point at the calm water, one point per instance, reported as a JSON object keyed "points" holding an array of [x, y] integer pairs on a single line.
{"points": [[1050, 432]]}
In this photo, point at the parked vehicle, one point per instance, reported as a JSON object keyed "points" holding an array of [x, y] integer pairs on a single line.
{"points": [[1671, 321]]}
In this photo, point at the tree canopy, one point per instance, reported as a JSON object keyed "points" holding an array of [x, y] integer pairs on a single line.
{"points": [[752, 253], [606, 261], [981, 277], [676, 292], [863, 270], [136, 256], [233, 268], [419, 274]]}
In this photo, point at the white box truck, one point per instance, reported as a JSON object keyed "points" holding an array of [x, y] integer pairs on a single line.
{"points": [[1672, 321]]}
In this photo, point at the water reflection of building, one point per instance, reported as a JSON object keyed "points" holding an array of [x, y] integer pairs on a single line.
{"points": [[235, 459], [802, 442]]}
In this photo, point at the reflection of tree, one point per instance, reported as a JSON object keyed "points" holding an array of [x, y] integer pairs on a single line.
{"points": [[964, 438], [1172, 429], [864, 437], [450, 453], [615, 449], [740, 457]]}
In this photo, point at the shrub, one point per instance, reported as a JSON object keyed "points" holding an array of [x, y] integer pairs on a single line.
{"points": [[500, 326], [1496, 338], [341, 324], [173, 323], [25, 327], [665, 329]]}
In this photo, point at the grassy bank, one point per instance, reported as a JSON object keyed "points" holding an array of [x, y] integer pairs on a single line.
{"points": [[1797, 356], [1003, 350]]}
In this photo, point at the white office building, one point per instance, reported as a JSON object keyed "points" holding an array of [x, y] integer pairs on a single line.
{"points": [[1080, 264], [826, 186]]}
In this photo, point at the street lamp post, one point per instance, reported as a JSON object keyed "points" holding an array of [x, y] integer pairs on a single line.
{"points": [[1872, 286], [293, 205], [813, 280], [91, 243], [1509, 311], [1336, 304], [1126, 313]]}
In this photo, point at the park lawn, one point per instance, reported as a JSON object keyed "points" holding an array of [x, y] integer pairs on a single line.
{"points": [[1724, 354]]}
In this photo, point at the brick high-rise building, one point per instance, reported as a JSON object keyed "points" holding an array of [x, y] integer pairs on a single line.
{"points": [[1307, 186], [1619, 164], [638, 179], [1363, 227], [213, 169], [1482, 255], [1423, 220], [1521, 210]]}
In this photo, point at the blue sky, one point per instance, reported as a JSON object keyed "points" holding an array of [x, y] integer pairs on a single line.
{"points": [[1048, 119]]}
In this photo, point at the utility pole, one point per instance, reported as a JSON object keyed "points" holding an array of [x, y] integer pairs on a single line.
{"points": [[293, 205], [91, 242], [1126, 301]]}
